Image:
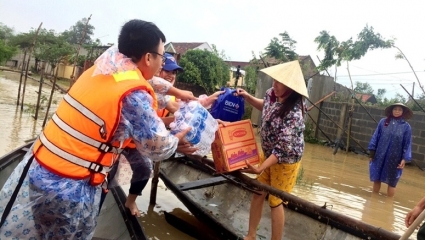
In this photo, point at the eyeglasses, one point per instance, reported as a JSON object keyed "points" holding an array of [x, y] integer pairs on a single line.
{"points": [[163, 57]]}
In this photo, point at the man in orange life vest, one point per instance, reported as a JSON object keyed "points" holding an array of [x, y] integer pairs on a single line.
{"points": [[141, 173], [111, 104]]}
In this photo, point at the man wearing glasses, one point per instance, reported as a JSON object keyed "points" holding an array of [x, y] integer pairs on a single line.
{"points": [[168, 104]]}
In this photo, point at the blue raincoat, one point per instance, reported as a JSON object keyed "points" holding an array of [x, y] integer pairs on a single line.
{"points": [[52, 207], [391, 144]]}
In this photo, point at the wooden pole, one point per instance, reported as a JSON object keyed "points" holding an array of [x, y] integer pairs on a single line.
{"points": [[78, 52], [155, 180], [340, 132], [20, 78], [28, 63], [350, 112], [326, 70], [368, 113], [43, 66], [336, 124], [413, 70], [321, 100], [413, 98], [51, 95], [414, 225], [265, 63]]}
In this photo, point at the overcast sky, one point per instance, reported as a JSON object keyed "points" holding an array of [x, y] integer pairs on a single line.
{"points": [[241, 26]]}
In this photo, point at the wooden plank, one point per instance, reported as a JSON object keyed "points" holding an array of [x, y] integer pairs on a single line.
{"points": [[202, 183]]}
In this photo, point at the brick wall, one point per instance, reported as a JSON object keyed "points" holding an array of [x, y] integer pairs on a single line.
{"points": [[363, 126]]}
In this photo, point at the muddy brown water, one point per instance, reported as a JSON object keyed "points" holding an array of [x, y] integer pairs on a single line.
{"points": [[340, 181]]}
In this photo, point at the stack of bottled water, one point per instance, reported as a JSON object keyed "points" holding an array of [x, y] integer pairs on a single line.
{"points": [[203, 125]]}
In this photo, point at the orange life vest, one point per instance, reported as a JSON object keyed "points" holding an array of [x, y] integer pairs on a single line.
{"points": [[77, 141], [164, 112]]}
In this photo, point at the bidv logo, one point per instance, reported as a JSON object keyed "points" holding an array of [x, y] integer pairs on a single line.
{"points": [[231, 104]]}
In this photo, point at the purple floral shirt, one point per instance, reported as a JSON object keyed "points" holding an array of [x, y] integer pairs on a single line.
{"points": [[282, 137]]}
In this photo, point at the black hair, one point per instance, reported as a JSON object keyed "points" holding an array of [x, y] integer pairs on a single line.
{"points": [[138, 37], [289, 104]]}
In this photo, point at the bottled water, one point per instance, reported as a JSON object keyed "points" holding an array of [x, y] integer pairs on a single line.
{"points": [[203, 125]]}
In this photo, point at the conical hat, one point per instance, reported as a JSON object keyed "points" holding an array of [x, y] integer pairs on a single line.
{"points": [[289, 74], [407, 113]]}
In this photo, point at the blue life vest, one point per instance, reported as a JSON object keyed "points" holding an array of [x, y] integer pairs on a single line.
{"points": [[228, 107]]}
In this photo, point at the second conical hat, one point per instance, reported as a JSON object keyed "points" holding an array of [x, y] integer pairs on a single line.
{"points": [[290, 75]]}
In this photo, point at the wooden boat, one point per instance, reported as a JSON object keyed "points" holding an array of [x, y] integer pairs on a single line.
{"points": [[114, 220], [223, 201]]}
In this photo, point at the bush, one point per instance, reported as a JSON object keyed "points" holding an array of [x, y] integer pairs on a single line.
{"points": [[248, 111], [309, 133]]}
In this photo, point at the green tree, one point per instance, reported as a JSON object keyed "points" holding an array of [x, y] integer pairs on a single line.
{"points": [[336, 52], [283, 49], [363, 88], [223, 67], [22, 40], [380, 95], [397, 99], [251, 78], [5, 32], [94, 50], [53, 52], [331, 46], [75, 32], [6, 52], [205, 69], [221, 54]]}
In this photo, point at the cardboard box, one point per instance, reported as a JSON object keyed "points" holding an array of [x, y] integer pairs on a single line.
{"points": [[234, 144]]}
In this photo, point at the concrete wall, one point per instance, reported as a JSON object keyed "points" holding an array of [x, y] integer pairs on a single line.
{"points": [[64, 71], [318, 87], [363, 126], [264, 82]]}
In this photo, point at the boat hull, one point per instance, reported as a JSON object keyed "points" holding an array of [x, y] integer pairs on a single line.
{"points": [[225, 206]]}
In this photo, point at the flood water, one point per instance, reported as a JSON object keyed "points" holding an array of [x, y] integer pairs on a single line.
{"points": [[340, 181]]}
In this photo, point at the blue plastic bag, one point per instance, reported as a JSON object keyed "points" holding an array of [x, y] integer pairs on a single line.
{"points": [[228, 107]]}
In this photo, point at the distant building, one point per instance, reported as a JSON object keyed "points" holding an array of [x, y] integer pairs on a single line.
{"points": [[178, 49], [65, 68], [366, 98], [233, 66]]}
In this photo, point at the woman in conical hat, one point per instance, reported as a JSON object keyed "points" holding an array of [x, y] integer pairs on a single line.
{"points": [[390, 148], [282, 140]]}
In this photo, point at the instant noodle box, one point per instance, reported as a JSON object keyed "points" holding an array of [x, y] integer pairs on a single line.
{"points": [[234, 144]]}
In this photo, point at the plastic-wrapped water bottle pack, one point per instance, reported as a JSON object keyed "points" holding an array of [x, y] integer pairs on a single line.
{"points": [[204, 126]]}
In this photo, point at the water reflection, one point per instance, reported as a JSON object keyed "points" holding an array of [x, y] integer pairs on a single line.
{"points": [[342, 182], [379, 205], [17, 125], [152, 216]]}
